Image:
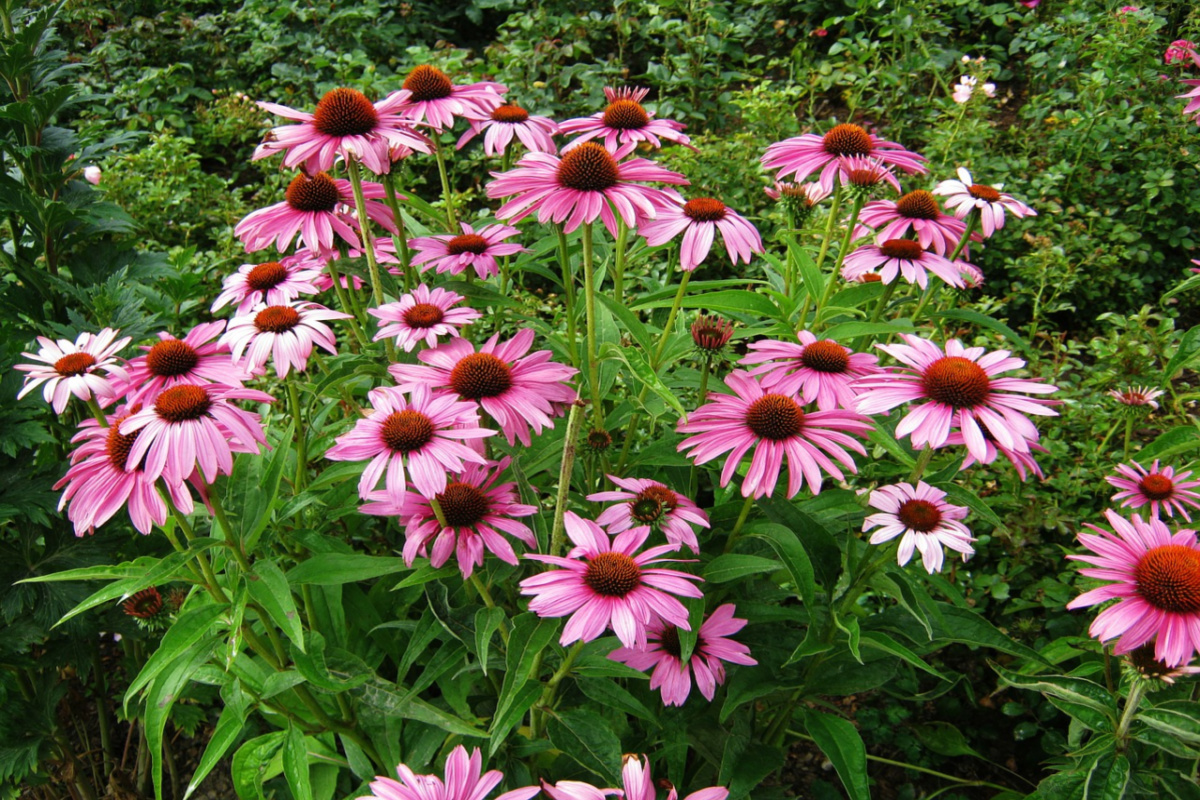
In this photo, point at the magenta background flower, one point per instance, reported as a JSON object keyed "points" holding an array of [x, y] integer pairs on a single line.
{"points": [[1136, 396], [1193, 98], [927, 521], [463, 782], [671, 675], [345, 123], [195, 358], [275, 283], [576, 790], [964, 194], [1155, 577], [808, 193], [422, 314], [900, 257], [647, 502], [917, 211], [1180, 51], [961, 391], [775, 427], [285, 334], [1162, 489], [582, 186], [624, 121], [866, 172], [1023, 461], [84, 368], [635, 776], [603, 583], [454, 253], [419, 434], [518, 391], [801, 156], [436, 100], [698, 220], [505, 122], [820, 370]]}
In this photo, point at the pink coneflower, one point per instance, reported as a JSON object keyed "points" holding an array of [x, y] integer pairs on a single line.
{"points": [[698, 220], [865, 173], [647, 502], [84, 368], [900, 257], [275, 283], [1137, 397], [1196, 268], [624, 121], [195, 358], [927, 521], [1022, 461], [345, 123], [917, 211], [417, 434], [437, 100], [1161, 489], [518, 391], [507, 121], [282, 333], [1156, 577], [454, 253], [964, 194], [671, 675], [635, 777], [317, 208], [1144, 665], [820, 370], [775, 426], [582, 186], [385, 253], [802, 156], [476, 513], [191, 426], [972, 276], [1193, 98], [962, 392], [602, 584], [463, 782], [710, 334], [422, 314], [102, 479]]}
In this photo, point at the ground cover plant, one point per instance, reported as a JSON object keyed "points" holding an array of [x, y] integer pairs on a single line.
{"points": [[661, 400]]}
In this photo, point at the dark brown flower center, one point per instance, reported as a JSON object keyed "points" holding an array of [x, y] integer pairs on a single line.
{"points": [[905, 249], [775, 417], [1168, 578], [144, 604], [427, 83], [796, 192], [825, 356], [171, 358], [705, 209], [345, 112], [1157, 486], [588, 168], [669, 641], [612, 574], [985, 193], [467, 243], [598, 440], [510, 112], [423, 315], [276, 319], [183, 403], [956, 382], [919, 204], [652, 502], [480, 375], [847, 140], [406, 431], [463, 505], [318, 193], [920, 515], [626, 115], [118, 445], [864, 178], [266, 276], [1143, 660], [74, 364]]}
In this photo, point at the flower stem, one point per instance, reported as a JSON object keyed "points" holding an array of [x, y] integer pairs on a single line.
{"points": [[486, 596], [400, 238], [344, 301], [451, 217], [1128, 435], [97, 412], [830, 223], [832, 281], [223, 521], [568, 280], [737, 526], [565, 469], [972, 223], [593, 360], [364, 228], [1131, 705], [666, 334], [301, 436], [619, 262], [922, 463]]}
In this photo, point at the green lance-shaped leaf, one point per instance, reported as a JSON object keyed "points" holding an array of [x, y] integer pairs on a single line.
{"points": [[840, 741]]}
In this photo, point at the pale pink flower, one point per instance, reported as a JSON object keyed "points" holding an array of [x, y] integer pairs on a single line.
{"points": [[1161, 489], [900, 258], [1193, 98], [966, 86], [964, 195], [92, 175], [478, 249], [624, 121], [422, 314], [804, 155], [195, 358], [635, 776], [84, 368], [463, 782], [507, 121], [285, 334], [865, 172], [1137, 396], [436, 100], [927, 521], [275, 283], [819, 370], [1022, 461], [917, 211], [698, 220], [647, 502], [807, 194]]}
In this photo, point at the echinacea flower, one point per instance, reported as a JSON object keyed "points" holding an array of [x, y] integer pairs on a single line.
{"points": [[195, 358], [647, 502], [275, 283], [917, 211], [603, 583], [146, 604], [463, 782], [671, 675], [900, 258], [344, 123], [84, 368], [1155, 576], [1193, 98], [927, 521], [774, 426], [509, 120], [960, 390], [192, 427], [453, 253], [283, 333], [711, 333], [1023, 460], [582, 186], [419, 435], [320, 261], [1142, 663], [819, 370], [422, 314], [518, 391], [801, 156], [635, 777], [316, 208], [1162, 489], [698, 220], [624, 121], [476, 511], [864, 173], [1137, 397], [964, 194], [436, 100]]}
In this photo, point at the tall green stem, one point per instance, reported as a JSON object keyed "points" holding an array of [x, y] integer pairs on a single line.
{"points": [[923, 460], [831, 282], [568, 279], [400, 238], [666, 333], [1131, 706], [830, 223], [97, 412], [565, 470], [593, 359], [737, 526], [301, 436], [230, 539], [344, 301], [1128, 435], [451, 217], [619, 261], [364, 229]]}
